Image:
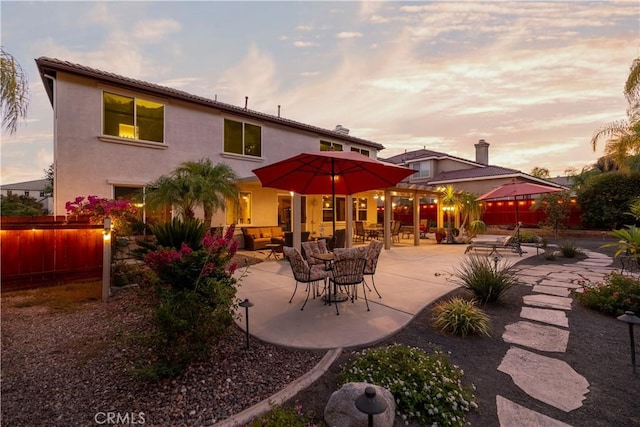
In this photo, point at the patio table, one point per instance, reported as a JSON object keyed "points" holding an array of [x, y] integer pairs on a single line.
{"points": [[328, 258]]}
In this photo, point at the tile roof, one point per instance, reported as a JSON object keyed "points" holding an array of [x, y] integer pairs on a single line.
{"points": [[53, 65], [36, 185]]}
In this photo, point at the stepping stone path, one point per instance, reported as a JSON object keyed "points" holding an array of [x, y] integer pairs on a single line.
{"points": [[539, 340]]}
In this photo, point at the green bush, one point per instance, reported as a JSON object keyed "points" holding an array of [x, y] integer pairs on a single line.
{"points": [[568, 249], [172, 234], [528, 237], [427, 388], [614, 296], [461, 317], [485, 279]]}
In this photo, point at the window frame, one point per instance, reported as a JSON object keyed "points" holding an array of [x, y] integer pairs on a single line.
{"points": [[418, 174], [362, 151], [136, 140], [360, 213], [244, 124], [328, 145], [340, 211]]}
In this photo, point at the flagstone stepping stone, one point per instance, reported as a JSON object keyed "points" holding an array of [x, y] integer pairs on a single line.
{"points": [[560, 284], [548, 301], [594, 263], [549, 380], [538, 337], [563, 276], [511, 414], [544, 315], [552, 290]]}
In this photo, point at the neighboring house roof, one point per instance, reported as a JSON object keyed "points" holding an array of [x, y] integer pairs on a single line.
{"points": [[478, 171], [424, 154], [36, 185], [50, 66]]}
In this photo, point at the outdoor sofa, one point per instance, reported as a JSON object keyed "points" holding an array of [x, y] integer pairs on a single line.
{"points": [[256, 238]]}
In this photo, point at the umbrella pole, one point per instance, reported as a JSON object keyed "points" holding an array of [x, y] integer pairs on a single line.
{"points": [[333, 195], [515, 198]]}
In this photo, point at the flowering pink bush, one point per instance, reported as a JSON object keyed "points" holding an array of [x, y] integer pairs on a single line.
{"points": [[185, 268], [122, 212]]}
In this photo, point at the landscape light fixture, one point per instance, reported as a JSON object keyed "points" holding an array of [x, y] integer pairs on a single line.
{"points": [[371, 404], [246, 304], [631, 319]]}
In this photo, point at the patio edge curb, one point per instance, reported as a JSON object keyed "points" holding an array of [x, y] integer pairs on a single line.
{"points": [[283, 395]]}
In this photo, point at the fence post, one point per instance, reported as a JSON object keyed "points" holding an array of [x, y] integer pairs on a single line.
{"points": [[106, 260]]}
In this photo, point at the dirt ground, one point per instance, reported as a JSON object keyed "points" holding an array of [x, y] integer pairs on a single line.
{"points": [[598, 349]]}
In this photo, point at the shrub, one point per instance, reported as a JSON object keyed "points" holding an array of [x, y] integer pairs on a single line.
{"points": [[614, 296], [193, 292], [568, 249], [529, 237], [172, 234], [460, 316], [486, 280], [122, 212], [549, 255], [427, 387]]}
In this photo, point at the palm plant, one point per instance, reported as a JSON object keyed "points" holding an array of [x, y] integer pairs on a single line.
{"points": [[14, 91], [451, 203], [193, 184], [623, 136]]}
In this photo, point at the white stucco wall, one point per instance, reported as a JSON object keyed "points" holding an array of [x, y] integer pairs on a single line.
{"points": [[87, 163]]}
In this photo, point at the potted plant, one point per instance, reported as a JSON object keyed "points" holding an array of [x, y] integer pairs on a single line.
{"points": [[441, 233]]}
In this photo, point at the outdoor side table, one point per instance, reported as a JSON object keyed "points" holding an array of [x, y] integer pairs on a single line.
{"points": [[274, 247]]}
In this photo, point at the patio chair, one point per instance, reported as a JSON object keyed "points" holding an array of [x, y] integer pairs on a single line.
{"points": [[312, 247], [304, 273], [395, 231], [372, 255], [360, 232], [347, 271], [338, 241], [511, 242]]}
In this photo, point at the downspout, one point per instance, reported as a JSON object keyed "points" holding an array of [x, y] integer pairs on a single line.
{"points": [[55, 144]]}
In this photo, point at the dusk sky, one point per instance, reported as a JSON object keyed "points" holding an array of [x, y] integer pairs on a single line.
{"points": [[534, 79]]}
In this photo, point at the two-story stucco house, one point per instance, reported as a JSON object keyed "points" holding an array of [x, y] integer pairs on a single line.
{"points": [[114, 135]]}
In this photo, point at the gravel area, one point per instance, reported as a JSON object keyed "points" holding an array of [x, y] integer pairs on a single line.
{"points": [[74, 368]]}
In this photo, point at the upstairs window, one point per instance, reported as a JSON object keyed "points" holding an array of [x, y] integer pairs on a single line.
{"points": [[361, 151], [132, 118], [242, 138], [330, 146], [423, 170]]}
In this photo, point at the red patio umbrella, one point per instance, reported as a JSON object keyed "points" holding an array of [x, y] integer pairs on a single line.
{"points": [[331, 172], [515, 188]]}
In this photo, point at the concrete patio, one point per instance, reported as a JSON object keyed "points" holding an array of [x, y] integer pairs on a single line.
{"points": [[408, 278]]}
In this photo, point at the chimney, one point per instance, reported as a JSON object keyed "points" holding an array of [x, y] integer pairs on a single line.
{"points": [[341, 129], [482, 152]]}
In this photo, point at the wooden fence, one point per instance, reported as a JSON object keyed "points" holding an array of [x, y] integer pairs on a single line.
{"points": [[45, 251]]}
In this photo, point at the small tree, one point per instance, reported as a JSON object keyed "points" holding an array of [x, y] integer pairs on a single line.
{"points": [[195, 184], [48, 175], [540, 172], [556, 207], [20, 205]]}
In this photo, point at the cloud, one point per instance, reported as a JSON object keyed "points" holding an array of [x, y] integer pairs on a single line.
{"points": [[349, 35], [154, 31], [300, 43]]}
